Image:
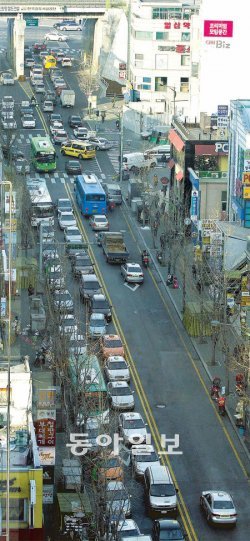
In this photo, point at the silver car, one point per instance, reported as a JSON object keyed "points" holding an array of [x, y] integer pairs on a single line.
{"points": [[143, 456], [63, 301], [66, 219], [48, 106], [132, 273], [28, 121], [116, 369], [218, 507], [72, 233], [132, 428], [120, 395], [118, 500], [97, 325], [7, 79]]}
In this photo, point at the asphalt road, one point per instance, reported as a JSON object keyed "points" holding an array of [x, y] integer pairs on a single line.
{"points": [[166, 372]]}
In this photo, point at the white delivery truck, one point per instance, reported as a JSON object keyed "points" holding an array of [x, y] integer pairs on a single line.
{"points": [[68, 98]]}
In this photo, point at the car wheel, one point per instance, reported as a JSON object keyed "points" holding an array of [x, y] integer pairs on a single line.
{"points": [[97, 147], [59, 39]]}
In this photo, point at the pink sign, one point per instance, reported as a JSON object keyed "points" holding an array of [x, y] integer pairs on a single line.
{"points": [[218, 29]]}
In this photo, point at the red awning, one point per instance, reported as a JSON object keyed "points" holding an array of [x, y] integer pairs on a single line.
{"points": [[175, 139], [179, 176]]}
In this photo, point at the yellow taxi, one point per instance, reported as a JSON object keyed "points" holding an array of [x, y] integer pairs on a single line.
{"points": [[78, 149], [49, 61]]}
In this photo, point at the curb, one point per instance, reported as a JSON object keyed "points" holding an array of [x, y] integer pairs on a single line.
{"points": [[230, 417]]}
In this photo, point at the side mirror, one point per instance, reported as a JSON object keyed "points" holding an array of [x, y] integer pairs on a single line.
{"points": [[176, 490]]}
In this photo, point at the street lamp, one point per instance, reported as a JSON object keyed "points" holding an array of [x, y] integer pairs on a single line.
{"points": [[215, 326]]}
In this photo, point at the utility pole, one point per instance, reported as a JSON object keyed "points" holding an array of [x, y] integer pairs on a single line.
{"points": [[121, 146], [129, 42]]}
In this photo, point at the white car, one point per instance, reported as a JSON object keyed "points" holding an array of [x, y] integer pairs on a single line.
{"points": [[118, 500], [59, 137], [66, 219], [72, 234], [218, 507], [132, 273], [127, 528], [8, 102], [80, 132], [132, 428], [116, 369], [55, 36], [120, 395], [71, 26], [68, 325], [55, 126], [99, 222], [28, 121], [40, 88], [7, 79], [97, 325], [143, 456], [55, 278]]}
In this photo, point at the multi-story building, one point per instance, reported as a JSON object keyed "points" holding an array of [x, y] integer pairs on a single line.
{"points": [[239, 162], [25, 472], [159, 63]]}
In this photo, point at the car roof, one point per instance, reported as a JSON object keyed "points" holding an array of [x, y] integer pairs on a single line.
{"points": [[142, 449], [127, 524], [99, 297], [97, 316], [115, 485], [116, 358], [112, 337], [132, 415], [219, 495], [100, 216], [118, 384], [168, 524], [133, 264]]}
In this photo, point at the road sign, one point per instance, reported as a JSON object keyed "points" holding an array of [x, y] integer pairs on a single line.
{"points": [[31, 22]]}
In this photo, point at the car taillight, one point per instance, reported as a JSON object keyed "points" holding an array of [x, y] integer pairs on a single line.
{"points": [[141, 275]]}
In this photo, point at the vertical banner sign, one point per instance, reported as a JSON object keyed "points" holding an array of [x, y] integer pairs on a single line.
{"points": [[194, 205]]}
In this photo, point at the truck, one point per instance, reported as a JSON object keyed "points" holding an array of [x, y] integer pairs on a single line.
{"points": [[67, 98], [114, 247]]}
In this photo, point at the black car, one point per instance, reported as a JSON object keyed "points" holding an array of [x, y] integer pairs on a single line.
{"points": [[99, 305], [75, 121], [73, 167], [168, 529], [81, 264]]}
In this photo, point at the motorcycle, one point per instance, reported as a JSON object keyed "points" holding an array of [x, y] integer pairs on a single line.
{"points": [[159, 257], [240, 385], [145, 258], [175, 283], [111, 205], [221, 405], [215, 389], [170, 279]]}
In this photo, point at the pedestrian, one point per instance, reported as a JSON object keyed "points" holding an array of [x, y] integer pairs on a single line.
{"points": [[155, 180], [198, 285], [194, 273], [30, 290], [155, 228], [117, 123], [158, 217], [162, 241]]}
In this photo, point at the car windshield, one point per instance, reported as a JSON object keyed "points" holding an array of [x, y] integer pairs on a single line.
{"points": [[114, 192], [99, 219], [148, 457], [92, 285], [135, 268], [223, 504], [173, 534], [116, 495], [97, 323], [134, 423], [74, 165], [63, 297], [64, 204], [112, 463], [100, 305], [68, 217], [127, 533], [113, 343], [83, 262], [117, 366], [73, 233], [162, 489], [121, 391]]}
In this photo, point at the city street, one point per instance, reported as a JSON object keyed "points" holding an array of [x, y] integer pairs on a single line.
{"points": [[172, 389]]}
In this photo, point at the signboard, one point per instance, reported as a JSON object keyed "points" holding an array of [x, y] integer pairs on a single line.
{"points": [[3, 307], [31, 22], [46, 398], [122, 74], [194, 205], [122, 66], [246, 192], [246, 167], [48, 494], [245, 291], [246, 177], [45, 429], [222, 121], [47, 456], [177, 25], [218, 29], [7, 202], [222, 110], [216, 149]]}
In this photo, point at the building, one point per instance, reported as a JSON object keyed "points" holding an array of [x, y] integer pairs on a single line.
{"points": [[199, 171], [218, 40], [239, 162], [26, 475], [159, 56]]}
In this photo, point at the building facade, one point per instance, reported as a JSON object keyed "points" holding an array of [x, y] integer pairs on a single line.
{"points": [[239, 162], [160, 55]]}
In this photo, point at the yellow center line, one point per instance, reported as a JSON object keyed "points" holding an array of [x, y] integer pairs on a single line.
{"points": [[40, 114], [139, 388]]}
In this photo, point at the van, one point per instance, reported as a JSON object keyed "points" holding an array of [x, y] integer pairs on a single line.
{"points": [[160, 492], [49, 62], [66, 62], [113, 193], [160, 153], [138, 160], [89, 286], [78, 149]]}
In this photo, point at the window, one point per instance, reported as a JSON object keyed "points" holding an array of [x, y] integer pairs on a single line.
{"points": [[161, 84], [162, 35], [160, 13], [146, 84], [185, 36], [224, 201], [140, 34], [139, 60], [184, 86], [185, 60], [17, 509], [195, 69]]}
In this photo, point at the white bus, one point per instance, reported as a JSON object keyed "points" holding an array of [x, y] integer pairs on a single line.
{"points": [[41, 202]]}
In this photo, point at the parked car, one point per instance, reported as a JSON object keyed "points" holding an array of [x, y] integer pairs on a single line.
{"points": [[97, 325], [120, 396], [89, 286], [127, 528], [99, 222], [160, 492], [118, 500], [132, 273], [132, 428], [72, 232], [7, 79], [73, 167], [81, 265], [111, 344], [100, 305], [55, 36], [59, 137], [22, 166], [218, 507], [167, 529], [63, 301], [110, 468], [66, 219], [55, 278], [100, 143], [68, 325], [116, 369], [142, 456], [75, 121], [28, 121]]}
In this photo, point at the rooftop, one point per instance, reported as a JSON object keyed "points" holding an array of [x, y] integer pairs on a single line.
{"points": [[194, 132]]}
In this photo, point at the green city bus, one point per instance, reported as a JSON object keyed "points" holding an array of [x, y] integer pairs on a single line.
{"points": [[88, 388], [43, 154]]}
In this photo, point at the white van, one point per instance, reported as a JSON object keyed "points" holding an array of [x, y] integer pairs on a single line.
{"points": [[137, 160], [159, 152]]}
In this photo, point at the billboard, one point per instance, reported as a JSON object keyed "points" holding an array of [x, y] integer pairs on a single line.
{"points": [[218, 29]]}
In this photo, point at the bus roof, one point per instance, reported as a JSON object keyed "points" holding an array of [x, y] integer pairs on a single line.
{"points": [[90, 183], [42, 144], [38, 190], [86, 370]]}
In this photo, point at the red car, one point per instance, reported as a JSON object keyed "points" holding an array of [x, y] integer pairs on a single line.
{"points": [[37, 47]]}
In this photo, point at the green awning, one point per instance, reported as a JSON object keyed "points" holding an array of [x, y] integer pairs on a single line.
{"points": [[234, 274], [71, 502]]}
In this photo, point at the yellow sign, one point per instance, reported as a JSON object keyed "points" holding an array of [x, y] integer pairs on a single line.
{"points": [[20, 489], [13, 224], [246, 177], [246, 192]]}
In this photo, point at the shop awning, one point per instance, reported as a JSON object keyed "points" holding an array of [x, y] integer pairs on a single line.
{"points": [[176, 141], [72, 502]]}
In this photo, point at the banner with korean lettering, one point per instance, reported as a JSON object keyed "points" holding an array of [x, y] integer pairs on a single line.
{"points": [[218, 29], [45, 428]]}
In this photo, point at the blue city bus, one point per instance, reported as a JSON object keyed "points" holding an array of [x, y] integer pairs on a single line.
{"points": [[90, 195]]}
